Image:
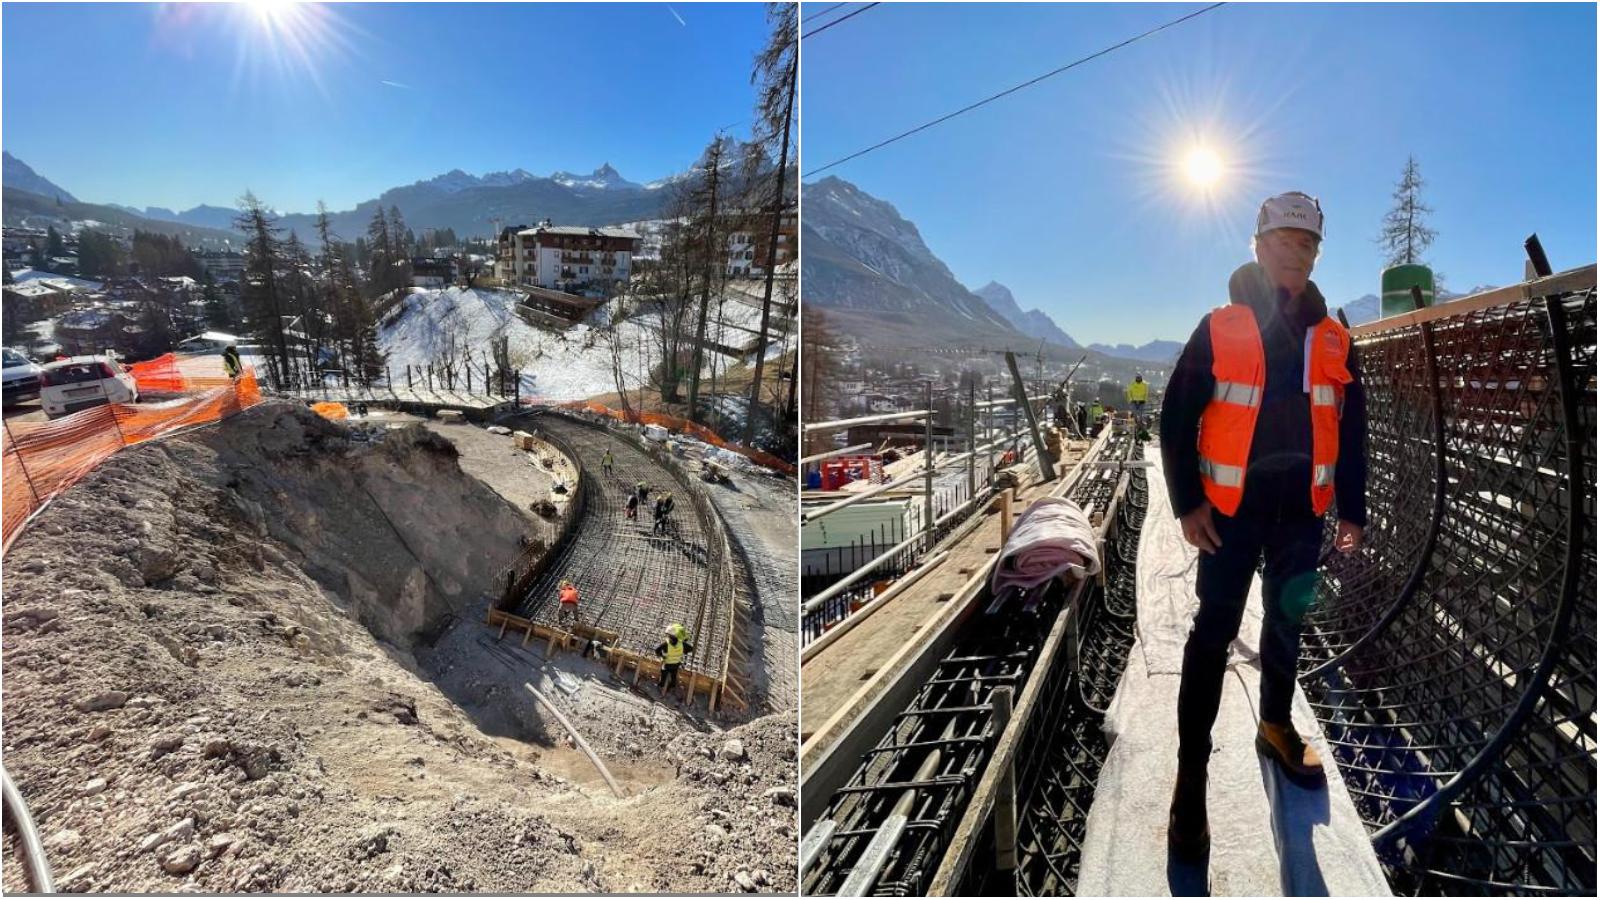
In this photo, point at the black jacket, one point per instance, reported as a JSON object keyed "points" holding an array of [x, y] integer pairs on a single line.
{"points": [[1277, 480]]}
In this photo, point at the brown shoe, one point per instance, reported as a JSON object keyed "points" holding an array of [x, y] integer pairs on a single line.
{"points": [[1295, 758], [1188, 831]]}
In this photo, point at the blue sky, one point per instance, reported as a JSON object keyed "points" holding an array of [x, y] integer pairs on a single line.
{"points": [[1067, 192], [178, 105]]}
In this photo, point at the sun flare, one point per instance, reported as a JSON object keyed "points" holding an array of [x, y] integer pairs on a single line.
{"points": [[1202, 167]]}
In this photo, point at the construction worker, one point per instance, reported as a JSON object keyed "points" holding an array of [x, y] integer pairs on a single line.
{"points": [[567, 609], [231, 362], [643, 490], [632, 508], [1263, 427], [672, 651], [663, 511], [1138, 394], [605, 462], [1096, 413]]}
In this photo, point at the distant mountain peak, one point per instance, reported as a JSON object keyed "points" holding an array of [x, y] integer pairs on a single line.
{"points": [[604, 178], [1034, 322], [15, 173]]}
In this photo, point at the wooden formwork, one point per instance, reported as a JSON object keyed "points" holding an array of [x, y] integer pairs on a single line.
{"points": [[619, 660]]}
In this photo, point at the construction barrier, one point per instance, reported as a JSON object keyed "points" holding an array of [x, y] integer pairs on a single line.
{"points": [[332, 411], [42, 459], [684, 426]]}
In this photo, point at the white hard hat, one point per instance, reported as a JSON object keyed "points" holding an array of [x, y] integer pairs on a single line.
{"points": [[1290, 210]]}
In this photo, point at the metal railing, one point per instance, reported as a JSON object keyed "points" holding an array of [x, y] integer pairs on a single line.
{"points": [[951, 488]]}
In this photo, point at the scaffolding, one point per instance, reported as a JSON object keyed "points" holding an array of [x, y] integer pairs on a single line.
{"points": [[945, 490]]}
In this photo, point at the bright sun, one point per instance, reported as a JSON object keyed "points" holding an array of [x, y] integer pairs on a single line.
{"points": [[1202, 166]]}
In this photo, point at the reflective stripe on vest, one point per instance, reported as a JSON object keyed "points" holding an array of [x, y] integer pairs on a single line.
{"points": [[1226, 476], [1236, 393], [1227, 426], [674, 653]]}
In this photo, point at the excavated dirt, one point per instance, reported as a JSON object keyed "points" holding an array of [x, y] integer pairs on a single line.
{"points": [[228, 661]]}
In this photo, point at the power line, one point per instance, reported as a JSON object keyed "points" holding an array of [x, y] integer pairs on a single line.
{"points": [[824, 12], [1010, 90], [825, 26]]}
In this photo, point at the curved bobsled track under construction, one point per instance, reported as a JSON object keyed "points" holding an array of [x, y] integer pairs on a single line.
{"points": [[641, 581], [1450, 663]]}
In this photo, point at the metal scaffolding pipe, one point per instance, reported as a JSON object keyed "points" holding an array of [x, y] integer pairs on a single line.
{"points": [[837, 424]]}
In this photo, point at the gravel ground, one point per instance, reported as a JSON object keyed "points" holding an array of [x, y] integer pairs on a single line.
{"points": [[210, 687]]}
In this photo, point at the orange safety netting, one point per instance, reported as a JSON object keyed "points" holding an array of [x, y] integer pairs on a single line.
{"points": [[684, 426], [331, 411], [42, 459]]}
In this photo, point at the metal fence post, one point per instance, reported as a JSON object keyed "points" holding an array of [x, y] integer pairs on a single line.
{"points": [[927, 462], [972, 440]]}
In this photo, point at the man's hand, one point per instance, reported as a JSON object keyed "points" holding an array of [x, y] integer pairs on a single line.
{"points": [[1199, 530], [1347, 538]]}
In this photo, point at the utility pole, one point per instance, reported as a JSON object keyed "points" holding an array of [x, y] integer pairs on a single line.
{"points": [[927, 463]]}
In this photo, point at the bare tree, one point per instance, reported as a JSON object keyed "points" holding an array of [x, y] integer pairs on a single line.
{"points": [[710, 233], [261, 291], [777, 69]]}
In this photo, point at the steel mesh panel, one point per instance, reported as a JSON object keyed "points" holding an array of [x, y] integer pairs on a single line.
{"points": [[1461, 713]]}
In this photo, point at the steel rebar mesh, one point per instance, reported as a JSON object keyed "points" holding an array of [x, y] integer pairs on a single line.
{"points": [[1462, 715]]}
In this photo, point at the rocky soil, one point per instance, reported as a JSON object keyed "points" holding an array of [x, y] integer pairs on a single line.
{"points": [[210, 685]]}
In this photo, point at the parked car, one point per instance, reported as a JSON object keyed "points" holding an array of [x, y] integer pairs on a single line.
{"points": [[21, 377], [69, 385]]}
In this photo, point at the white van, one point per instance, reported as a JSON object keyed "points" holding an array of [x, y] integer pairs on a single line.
{"points": [[68, 385]]}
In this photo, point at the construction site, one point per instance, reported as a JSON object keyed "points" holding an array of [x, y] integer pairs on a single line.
{"points": [[963, 740], [252, 645]]}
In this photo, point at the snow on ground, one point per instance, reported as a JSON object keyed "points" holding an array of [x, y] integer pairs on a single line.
{"points": [[557, 365]]}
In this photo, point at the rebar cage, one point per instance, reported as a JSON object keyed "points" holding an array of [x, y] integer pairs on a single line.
{"points": [[1452, 660]]}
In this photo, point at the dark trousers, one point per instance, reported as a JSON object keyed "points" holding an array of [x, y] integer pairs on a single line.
{"points": [[1290, 546], [669, 677]]}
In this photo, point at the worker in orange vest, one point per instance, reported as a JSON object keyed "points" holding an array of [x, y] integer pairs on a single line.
{"points": [[567, 610], [1263, 428]]}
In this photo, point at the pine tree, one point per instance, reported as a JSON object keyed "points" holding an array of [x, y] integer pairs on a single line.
{"points": [[380, 253], [52, 243], [1405, 236], [262, 294]]}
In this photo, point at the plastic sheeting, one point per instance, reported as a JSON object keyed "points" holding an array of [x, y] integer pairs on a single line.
{"points": [[1268, 836]]}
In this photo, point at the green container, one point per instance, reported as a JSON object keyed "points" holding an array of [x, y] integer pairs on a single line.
{"points": [[1397, 284]]}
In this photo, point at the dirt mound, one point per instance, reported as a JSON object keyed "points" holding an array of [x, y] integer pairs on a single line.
{"points": [[209, 684], [728, 823]]}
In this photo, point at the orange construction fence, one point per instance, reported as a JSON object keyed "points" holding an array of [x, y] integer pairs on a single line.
{"points": [[684, 426], [42, 459]]}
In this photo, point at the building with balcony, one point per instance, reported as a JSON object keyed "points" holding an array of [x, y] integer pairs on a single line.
{"points": [[569, 258], [747, 243]]}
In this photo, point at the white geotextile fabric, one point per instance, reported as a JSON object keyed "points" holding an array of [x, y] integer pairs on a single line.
{"points": [[1268, 836], [1052, 538]]}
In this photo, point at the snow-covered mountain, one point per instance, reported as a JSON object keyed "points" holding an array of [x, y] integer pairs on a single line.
{"points": [[1367, 307], [604, 178], [15, 173], [1033, 322], [1155, 351], [865, 261]]}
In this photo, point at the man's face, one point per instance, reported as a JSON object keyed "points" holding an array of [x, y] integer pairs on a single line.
{"points": [[1288, 255]]}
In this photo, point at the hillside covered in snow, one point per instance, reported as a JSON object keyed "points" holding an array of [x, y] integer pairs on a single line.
{"points": [[433, 326]]}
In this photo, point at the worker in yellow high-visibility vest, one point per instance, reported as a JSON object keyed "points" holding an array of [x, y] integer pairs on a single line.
{"points": [[672, 652], [1138, 395]]}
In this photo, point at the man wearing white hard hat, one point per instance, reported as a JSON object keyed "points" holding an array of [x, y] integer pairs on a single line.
{"points": [[1263, 430]]}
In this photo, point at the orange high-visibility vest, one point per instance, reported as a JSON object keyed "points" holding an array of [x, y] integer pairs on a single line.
{"points": [[1228, 423], [569, 594]]}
